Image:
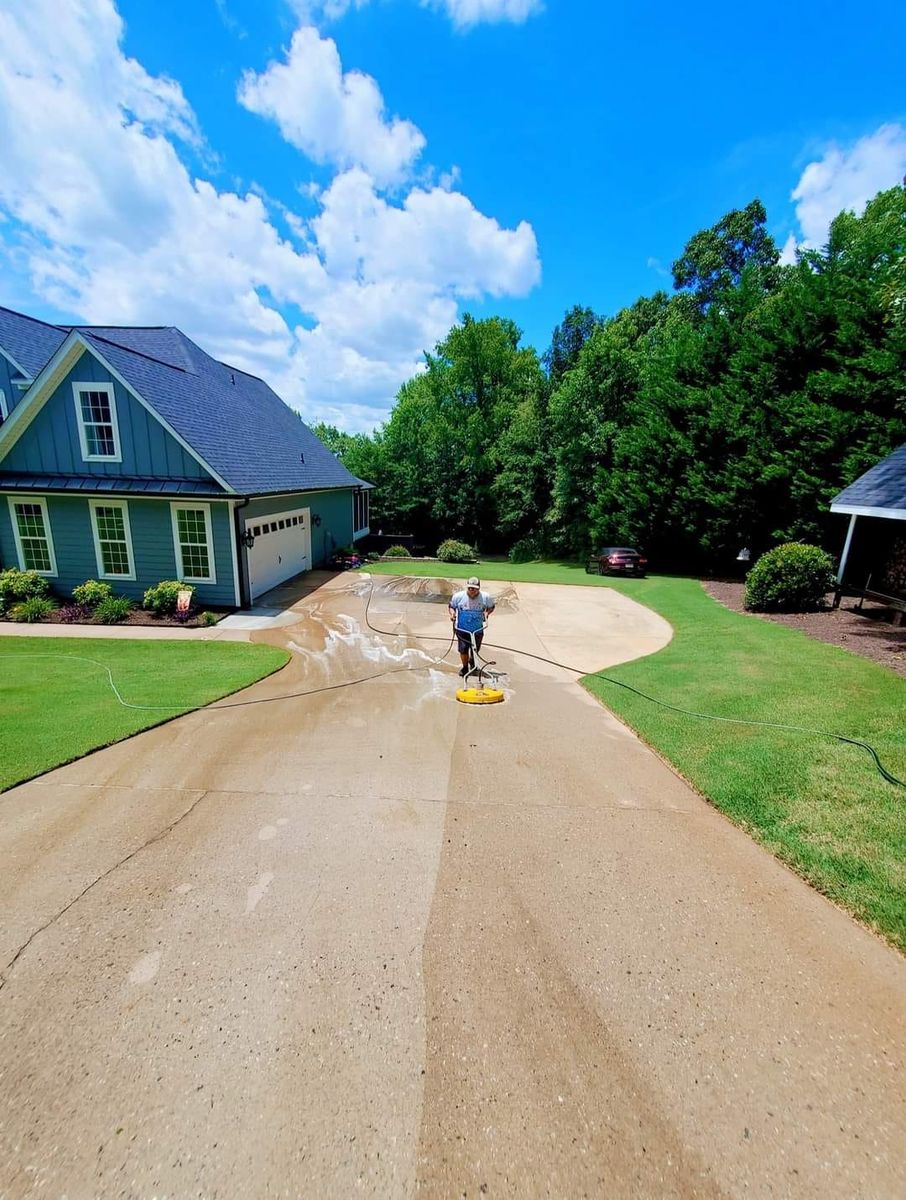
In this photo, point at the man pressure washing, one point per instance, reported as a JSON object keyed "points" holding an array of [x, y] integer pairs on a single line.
{"points": [[469, 612]]}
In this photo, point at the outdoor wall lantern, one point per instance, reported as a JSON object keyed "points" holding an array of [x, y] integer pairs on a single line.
{"points": [[316, 521], [248, 539]]}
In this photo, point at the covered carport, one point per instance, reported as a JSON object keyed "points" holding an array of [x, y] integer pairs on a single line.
{"points": [[873, 562]]}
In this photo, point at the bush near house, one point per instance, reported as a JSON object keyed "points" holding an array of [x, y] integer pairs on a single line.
{"points": [[91, 593], [35, 608], [794, 577], [397, 552], [16, 586], [113, 610], [161, 599], [452, 551]]}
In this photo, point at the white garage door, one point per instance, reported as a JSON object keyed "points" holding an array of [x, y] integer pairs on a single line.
{"points": [[282, 548]]}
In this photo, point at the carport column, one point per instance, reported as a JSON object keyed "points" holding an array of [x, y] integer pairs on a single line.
{"points": [[843, 557], [846, 546]]}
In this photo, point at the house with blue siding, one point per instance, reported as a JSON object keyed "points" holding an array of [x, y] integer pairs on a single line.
{"points": [[130, 455]]}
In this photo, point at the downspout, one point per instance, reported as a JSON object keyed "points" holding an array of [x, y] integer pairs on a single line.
{"points": [[245, 598]]}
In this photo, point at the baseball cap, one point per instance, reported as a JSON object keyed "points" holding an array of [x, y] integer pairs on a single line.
{"points": [[474, 581]]}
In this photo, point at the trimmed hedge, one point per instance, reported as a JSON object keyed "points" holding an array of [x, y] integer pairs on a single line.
{"points": [[452, 551], [794, 577]]}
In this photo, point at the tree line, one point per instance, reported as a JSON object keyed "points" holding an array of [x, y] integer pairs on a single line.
{"points": [[724, 414]]}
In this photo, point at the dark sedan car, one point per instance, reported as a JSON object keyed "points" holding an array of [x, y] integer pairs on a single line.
{"points": [[617, 560]]}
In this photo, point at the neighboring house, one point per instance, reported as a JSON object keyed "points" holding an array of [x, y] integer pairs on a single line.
{"points": [[132, 456], [873, 562]]}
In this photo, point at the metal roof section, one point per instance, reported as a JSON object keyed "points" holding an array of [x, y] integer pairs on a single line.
{"points": [[104, 484]]}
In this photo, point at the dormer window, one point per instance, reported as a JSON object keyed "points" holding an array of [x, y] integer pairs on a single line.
{"points": [[96, 414]]}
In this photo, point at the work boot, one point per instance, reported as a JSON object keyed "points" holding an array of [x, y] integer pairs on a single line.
{"points": [[463, 671]]}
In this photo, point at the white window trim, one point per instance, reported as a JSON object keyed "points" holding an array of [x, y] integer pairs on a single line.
{"points": [[94, 505], [209, 536], [4, 409], [77, 389], [42, 503]]}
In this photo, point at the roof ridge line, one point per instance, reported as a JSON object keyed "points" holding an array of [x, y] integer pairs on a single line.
{"points": [[128, 349]]}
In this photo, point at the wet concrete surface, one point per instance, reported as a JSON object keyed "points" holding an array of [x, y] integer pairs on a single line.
{"points": [[374, 942]]}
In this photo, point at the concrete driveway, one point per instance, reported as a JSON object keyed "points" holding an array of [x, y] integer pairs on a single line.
{"points": [[373, 942]]}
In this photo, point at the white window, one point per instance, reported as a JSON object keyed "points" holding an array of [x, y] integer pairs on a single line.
{"points": [[99, 433], [193, 542], [4, 409], [31, 530], [112, 539]]}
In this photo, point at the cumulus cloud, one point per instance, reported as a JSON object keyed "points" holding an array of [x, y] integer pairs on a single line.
{"points": [[104, 220], [330, 116], [845, 179]]}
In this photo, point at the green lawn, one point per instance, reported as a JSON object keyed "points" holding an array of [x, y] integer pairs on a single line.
{"points": [[819, 805], [56, 708]]}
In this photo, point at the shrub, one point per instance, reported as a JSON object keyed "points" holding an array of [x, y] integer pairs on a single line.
{"points": [[35, 608], [91, 593], [793, 577], [113, 610], [527, 549], [452, 551], [373, 556], [18, 585], [162, 598], [397, 552], [209, 618], [74, 614]]}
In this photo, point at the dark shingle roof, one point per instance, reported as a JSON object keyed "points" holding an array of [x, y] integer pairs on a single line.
{"points": [[232, 420], [884, 486], [31, 343]]}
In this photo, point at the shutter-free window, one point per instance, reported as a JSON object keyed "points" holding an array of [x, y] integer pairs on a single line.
{"points": [[112, 540], [96, 412], [194, 549], [32, 531]]}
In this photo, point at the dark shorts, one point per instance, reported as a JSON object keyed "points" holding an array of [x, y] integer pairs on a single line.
{"points": [[465, 641]]}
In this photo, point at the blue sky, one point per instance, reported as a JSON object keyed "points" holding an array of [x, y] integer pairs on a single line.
{"points": [[315, 189]]}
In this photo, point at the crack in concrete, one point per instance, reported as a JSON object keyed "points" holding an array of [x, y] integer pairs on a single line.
{"points": [[84, 892]]}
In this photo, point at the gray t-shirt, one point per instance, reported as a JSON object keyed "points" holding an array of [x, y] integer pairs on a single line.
{"points": [[476, 608]]}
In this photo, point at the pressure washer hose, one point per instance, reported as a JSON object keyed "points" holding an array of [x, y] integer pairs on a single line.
{"points": [[177, 708]]}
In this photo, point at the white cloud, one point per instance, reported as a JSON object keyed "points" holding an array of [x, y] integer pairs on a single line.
{"points": [[466, 13], [463, 13], [331, 117], [101, 216], [845, 179], [436, 238]]}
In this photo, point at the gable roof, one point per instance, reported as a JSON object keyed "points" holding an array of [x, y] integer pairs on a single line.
{"points": [[28, 343], [234, 422], [881, 491]]}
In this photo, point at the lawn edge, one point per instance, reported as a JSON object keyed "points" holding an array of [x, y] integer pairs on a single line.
{"points": [[154, 725]]}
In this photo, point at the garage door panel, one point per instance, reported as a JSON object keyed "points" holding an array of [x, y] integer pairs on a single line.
{"points": [[281, 548]]}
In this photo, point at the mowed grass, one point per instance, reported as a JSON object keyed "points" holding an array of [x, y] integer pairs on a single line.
{"points": [[818, 804], [55, 707]]}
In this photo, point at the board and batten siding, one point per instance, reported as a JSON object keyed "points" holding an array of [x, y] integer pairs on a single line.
{"points": [[333, 507], [51, 446], [152, 546]]}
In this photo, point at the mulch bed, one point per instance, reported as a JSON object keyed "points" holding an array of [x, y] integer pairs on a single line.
{"points": [[869, 633], [141, 616]]}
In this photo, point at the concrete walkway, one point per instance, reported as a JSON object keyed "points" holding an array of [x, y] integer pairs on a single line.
{"points": [[373, 942]]}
